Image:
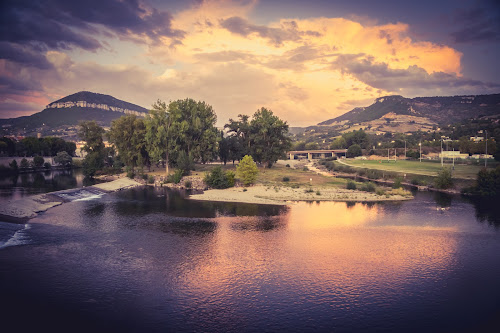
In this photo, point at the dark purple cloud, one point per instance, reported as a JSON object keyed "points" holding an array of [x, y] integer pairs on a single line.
{"points": [[477, 24], [380, 76], [37, 26]]}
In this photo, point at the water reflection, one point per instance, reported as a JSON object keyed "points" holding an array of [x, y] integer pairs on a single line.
{"points": [[17, 186], [487, 210]]}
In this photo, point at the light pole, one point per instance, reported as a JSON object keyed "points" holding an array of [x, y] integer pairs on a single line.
{"points": [[405, 149], [441, 152], [420, 145], [486, 152]]}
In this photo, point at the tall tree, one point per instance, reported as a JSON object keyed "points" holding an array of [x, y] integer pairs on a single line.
{"points": [[159, 134], [269, 137], [92, 134], [240, 129], [195, 129], [128, 134]]}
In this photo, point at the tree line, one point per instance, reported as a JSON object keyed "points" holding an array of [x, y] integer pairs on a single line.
{"points": [[180, 133], [31, 146]]}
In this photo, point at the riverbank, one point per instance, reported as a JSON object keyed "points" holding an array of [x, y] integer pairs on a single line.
{"points": [[26, 208], [280, 195]]}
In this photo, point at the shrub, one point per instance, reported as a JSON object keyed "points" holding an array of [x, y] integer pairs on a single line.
{"points": [[397, 182], [288, 165], [351, 185], [175, 177], [217, 178], [379, 191], [188, 184], [305, 169], [286, 179], [24, 164], [131, 174], [309, 190], [13, 165], [318, 192], [47, 165], [63, 158], [185, 163], [368, 187], [151, 179], [38, 161], [247, 170], [144, 176], [443, 179]]}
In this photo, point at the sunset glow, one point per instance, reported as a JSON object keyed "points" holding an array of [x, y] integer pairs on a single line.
{"points": [[309, 66]]}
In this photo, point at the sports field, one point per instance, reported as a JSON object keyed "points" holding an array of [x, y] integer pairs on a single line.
{"points": [[415, 167]]}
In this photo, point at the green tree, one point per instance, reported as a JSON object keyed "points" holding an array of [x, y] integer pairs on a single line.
{"points": [[195, 129], [269, 137], [24, 164], [247, 170], [13, 165], [224, 146], [339, 143], [357, 138], [63, 159], [354, 150], [160, 139], [185, 163], [218, 178], [240, 130], [488, 182], [128, 135], [92, 134], [38, 161], [312, 146], [443, 179]]}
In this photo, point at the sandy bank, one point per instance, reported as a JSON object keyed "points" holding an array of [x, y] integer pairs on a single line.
{"points": [[28, 207], [280, 195]]}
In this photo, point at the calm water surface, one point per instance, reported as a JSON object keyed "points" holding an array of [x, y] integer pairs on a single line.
{"points": [[149, 260]]}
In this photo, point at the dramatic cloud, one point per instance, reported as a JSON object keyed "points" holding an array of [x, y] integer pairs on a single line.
{"points": [[477, 24], [381, 76], [305, 70]]}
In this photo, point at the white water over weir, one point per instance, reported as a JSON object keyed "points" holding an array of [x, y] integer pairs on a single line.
{"points": [[79, 194]]}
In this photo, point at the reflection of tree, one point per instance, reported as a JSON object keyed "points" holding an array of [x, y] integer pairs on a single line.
{"points": [[38, 180], [443, 199], [350, 204], [263, 223], [487, 210]]}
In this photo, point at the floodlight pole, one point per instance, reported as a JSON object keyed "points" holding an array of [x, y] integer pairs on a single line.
{"points": [[486, 152], [420, 145], [441, 152]]}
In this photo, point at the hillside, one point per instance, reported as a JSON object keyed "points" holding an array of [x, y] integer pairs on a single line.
{"points": [[70, 110], [437, 110]]}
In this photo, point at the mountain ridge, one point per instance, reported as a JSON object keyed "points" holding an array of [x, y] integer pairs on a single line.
{"points": [[438, 109]]}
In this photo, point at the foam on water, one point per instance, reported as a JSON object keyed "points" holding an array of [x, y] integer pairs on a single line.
{"points": [[13, 234], [80, 195]]}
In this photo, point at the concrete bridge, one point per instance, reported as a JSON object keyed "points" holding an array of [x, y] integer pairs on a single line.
{"points": [[317, 153]]}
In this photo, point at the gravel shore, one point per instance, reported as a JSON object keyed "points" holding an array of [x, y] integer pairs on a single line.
{"points": [[260, 194]]}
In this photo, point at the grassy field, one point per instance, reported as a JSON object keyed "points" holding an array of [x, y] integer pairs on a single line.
{"points": [[419, 168]]}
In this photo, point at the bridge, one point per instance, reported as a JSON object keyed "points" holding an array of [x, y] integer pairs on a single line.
{"points": [[317, 153]]}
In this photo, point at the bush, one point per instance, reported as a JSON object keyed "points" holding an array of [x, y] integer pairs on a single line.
{"points": [[185, 163], [47, 165], [309, 190], [351, 185], [144, 176], [288, 165], [151, 179], [368, 187], [63, 158], [397, 182], [305, 169], [353, 151], [443, 179], [175, 177], [13, 165], [188, 184], [247, 170], [217, 178], [286, 179], [318, 192], [131, 174], [38, 161], [488, 183], [379, 191], [24, 164]]}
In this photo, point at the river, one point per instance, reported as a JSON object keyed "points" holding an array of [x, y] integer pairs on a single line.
{"points": [[147, 259]]}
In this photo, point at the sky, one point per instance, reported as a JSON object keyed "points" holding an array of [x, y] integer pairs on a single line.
{"points": [[307, 61]]}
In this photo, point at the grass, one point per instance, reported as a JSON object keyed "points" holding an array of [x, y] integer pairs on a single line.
{"points": [[417, 168]]}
